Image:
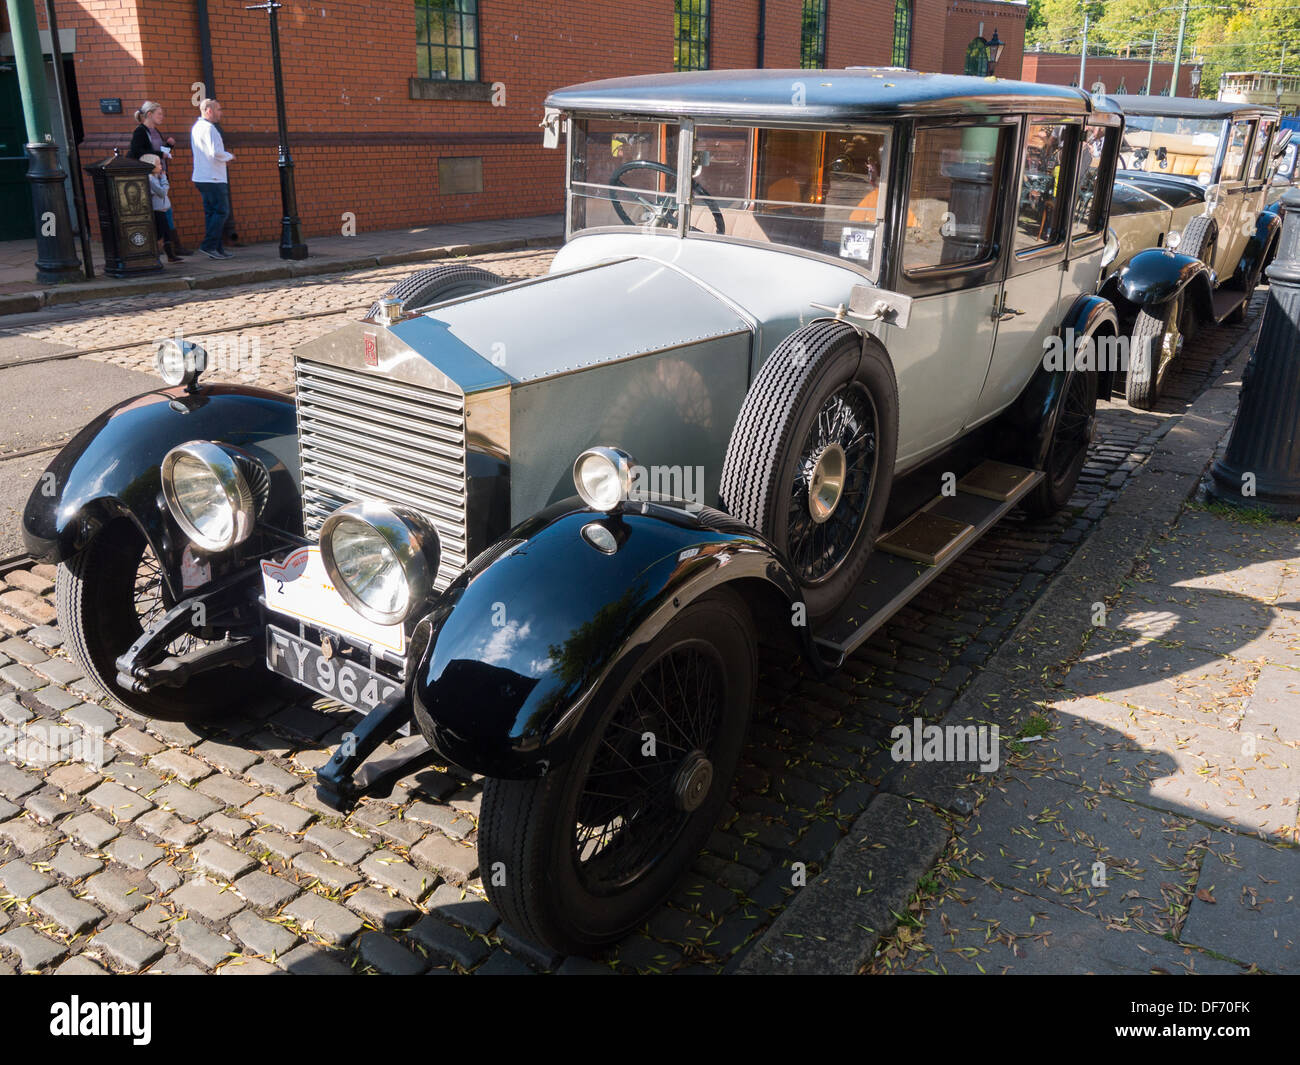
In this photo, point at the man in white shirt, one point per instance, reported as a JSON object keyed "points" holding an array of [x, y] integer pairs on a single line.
{"points": [[210, 159]]}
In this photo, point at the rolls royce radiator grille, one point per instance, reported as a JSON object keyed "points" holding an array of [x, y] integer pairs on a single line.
{"points": [[361, 436]]}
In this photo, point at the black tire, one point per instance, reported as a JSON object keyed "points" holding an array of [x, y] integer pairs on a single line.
{"points": [[1154, 346], [1068, 449], [103, 596], [437, 283], [1200, 239], [531, 834], [823, 367]]}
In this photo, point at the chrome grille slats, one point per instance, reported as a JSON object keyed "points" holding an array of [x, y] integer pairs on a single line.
{"points": [[363, 436]]}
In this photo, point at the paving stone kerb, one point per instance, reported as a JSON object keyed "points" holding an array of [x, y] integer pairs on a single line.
{"points": [[836, 922]]}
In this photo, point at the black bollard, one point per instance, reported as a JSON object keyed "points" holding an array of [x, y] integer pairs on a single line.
{"points": [[1261, 467]]}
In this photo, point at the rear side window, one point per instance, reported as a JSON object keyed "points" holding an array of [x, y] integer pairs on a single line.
{"points": [[1089, 192], [953, 198], [1259, 157], [1234, 160], [1043, 185]]}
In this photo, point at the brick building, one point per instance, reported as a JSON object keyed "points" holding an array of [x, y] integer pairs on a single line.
{"points": [[1117, 74], [403, 113]]}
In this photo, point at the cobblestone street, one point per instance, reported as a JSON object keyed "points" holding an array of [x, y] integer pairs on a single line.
{"points": [[201, 846]]}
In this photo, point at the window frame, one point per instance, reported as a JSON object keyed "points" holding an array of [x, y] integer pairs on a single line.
{"points": [[1086, 243], [425, 51], [1264, 154], [1026, 260], [942, 278], [821, 9], [1253, 122], [698, 14]]}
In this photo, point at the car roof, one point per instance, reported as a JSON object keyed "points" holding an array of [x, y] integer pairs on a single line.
{"points": [[1184, 107], [853, 94]]}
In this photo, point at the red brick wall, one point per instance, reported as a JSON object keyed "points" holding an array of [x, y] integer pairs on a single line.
{"points": [[361, 145], [963, 26], [1056, 69]]}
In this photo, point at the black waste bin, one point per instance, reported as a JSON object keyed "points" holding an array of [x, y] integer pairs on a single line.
{"points": [[125, 216]]}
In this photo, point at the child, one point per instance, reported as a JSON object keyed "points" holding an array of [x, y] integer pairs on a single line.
{"points": [[159, 190]]}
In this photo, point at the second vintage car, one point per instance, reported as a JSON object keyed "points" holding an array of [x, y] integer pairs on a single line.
{"points": [[1194, 228], [801, 348]]}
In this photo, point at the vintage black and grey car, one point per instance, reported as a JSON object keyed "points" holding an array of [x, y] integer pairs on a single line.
{"points": [[1191, 210], [801, 348]]}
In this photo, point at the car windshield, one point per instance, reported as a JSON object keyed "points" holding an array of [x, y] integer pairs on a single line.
{"points": [[816, 190], [1169, 144]]}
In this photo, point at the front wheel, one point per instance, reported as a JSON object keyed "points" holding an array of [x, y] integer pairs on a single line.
{"points": [[1157, 341], [578, 859], [105, 596]]}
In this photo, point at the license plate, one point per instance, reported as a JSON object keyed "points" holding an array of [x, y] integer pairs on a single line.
{"points": [[338, 678]]}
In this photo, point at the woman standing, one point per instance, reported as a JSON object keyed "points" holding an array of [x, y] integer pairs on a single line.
{"points": [[149, 140]]}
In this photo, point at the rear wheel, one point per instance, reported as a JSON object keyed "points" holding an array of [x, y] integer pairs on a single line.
{"points": [[1068, 450], [105, 596], [1156, 342], [811, 459], [579, 858]]}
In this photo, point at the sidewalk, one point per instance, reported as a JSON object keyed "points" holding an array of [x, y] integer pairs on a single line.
{"points": [[20, 293], [1144, 817]]}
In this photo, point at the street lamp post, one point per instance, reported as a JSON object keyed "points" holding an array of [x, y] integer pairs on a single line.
{"points": [[291, 242], [995, 46]]}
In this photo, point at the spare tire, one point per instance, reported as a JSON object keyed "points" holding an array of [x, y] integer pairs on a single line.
{"points": [[811, 458], [437, 283]]}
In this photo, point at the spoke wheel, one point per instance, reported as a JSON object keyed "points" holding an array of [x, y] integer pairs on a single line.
{"points": [[581, 857], [832, 484], [105, 597], [1068, 449], [811, 458], [1155, 346]]}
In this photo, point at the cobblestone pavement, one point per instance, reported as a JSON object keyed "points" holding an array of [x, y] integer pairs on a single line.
{"points": [[201, 846], [256, 326]]}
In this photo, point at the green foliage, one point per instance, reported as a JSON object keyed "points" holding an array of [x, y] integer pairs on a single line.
{"points": [[1222, 34]]}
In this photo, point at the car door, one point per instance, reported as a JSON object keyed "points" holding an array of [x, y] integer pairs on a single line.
{"points": [[1231, 210], [1257, 175], [950, 262], [1028, 310]]}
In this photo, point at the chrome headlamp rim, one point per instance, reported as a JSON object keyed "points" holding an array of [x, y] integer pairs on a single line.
{"points": [[622, 464], [193, 361], [232, 484], [413, 541]]}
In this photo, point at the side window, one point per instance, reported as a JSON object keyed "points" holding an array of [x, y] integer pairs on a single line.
{"points": [[1089, 195], [1234, 161], [1039, 220], [1259, 157], [953, 199]]}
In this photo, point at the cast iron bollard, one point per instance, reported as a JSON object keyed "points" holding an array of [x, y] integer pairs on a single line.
{"points": [[1261, 467]]}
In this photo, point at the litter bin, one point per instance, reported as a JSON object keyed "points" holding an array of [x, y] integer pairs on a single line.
{"points": [[125, 216]]}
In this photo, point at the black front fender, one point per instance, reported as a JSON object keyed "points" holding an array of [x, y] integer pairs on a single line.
{"points": [[1155, 276], [112, 468], [521, 648]]}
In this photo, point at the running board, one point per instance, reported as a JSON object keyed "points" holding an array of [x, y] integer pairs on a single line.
{"points": [[915, 552], [1226, 300]]}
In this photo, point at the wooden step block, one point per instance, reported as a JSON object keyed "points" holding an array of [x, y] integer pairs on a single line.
{"points": [[994, 480], [926, 537]]}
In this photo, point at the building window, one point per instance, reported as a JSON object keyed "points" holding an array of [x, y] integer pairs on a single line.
{"points": [[446, 39], [902, 55], [691, 47], [812, 51], [977, 58]]}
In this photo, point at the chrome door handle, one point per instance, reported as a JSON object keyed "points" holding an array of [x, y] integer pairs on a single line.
{"points": [[1008, 313]]}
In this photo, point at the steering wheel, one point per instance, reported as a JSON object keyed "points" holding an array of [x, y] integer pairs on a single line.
{"points": [[657, 207]]}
